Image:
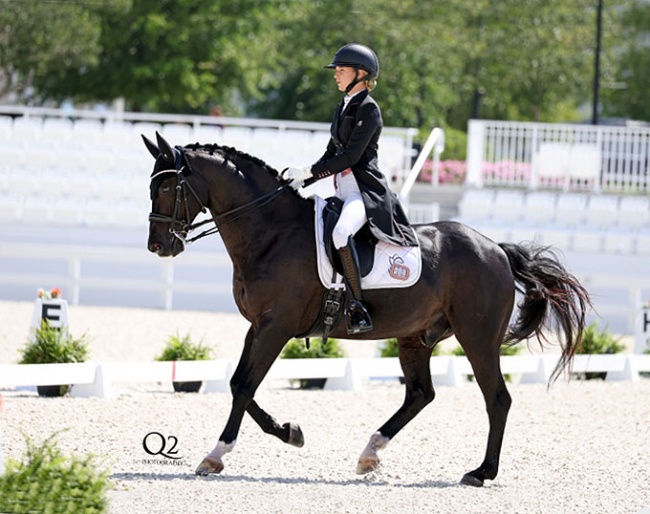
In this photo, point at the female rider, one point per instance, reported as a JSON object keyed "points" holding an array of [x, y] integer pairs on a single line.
{"points": [[351, 156]]}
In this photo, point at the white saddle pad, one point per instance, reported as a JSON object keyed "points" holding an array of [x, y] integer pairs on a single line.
{"points": [[394, 266]]}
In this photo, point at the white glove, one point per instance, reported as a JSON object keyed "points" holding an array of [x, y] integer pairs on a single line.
{"points": [[297, 176]]}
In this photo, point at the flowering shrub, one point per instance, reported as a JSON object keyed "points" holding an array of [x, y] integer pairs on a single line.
{"points": [[453, 172], [49, 295], [507, 171], [449, 172]]}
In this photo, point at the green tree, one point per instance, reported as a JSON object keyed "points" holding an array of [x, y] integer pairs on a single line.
{"points": [[626, 95], [39, 40], [180, 55], [539, 56], [418, 72], [441, 62]]}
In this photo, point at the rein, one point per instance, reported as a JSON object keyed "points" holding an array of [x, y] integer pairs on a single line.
{"points": [[184, 227]]}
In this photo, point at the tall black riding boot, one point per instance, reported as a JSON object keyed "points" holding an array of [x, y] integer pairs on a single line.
{"points": [[357, 319]]}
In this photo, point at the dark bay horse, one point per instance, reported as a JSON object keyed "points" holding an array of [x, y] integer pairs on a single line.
{"points": [[467, 289]]}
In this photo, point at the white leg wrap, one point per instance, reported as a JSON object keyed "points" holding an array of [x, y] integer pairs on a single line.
{"points": [[221, 449], [377, 442]]}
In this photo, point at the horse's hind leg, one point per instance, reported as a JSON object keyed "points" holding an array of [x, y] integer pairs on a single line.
{"points": [[414, 359], [485, 364]]}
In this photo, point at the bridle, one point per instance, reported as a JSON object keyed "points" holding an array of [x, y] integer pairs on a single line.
{"points": [[181, 227]]}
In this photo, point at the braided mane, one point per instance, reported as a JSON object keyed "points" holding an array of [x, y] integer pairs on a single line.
{"points": [[228, 151]]}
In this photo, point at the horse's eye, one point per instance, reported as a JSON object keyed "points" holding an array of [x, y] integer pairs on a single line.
{"points": [[165, 189]]}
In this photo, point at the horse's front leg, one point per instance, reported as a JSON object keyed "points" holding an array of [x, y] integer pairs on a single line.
{"points": [[289, 433], [260, 351]]}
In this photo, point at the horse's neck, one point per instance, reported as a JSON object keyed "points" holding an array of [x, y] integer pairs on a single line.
{"points": [[248, 238], [251, 237]]}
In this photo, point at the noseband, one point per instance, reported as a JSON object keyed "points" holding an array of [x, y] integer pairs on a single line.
{"points": [[181, 227]]}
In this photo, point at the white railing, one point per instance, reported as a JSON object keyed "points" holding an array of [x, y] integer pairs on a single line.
{"points": [[558, 156], [120, 273], [97, 379], [435, 143], [200, 279]]}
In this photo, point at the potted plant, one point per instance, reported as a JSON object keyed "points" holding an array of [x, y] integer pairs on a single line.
{"points": [[297, 349], [49, 345], [595, 341], [179, 348]]}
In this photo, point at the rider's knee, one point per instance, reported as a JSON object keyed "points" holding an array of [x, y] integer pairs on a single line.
{"points": [[340, 236]]}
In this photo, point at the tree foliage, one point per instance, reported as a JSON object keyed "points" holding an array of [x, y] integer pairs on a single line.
{"points": [[628, 92], [441, 62], [40, 40]]}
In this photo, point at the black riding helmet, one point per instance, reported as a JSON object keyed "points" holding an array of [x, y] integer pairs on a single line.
{"points": [[358, 57]]}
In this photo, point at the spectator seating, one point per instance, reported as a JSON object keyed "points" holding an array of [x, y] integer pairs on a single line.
{"points": [[569, 221], [63, 172]]}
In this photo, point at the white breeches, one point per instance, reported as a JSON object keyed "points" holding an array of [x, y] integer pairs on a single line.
{"points": [[353, 214]]}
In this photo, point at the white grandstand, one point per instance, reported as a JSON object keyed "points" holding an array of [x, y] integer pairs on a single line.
{"points": [[67, 172]]}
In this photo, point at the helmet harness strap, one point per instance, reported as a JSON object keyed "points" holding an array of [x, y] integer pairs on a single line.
{"points": [[356, 80]]}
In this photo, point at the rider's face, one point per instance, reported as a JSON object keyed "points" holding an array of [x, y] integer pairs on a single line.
{"points": [[343, 76]]}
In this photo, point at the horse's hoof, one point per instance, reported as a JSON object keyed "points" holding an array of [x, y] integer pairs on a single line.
{"points": [[471, 480], [295, 435], [209, 466], [366, 465]]}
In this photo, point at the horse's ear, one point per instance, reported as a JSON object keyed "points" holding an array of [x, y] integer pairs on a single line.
{"points": [[165, 149], [153, 149]]}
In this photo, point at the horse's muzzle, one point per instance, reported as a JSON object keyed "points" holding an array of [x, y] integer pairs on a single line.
{"points": [[169, 249]]}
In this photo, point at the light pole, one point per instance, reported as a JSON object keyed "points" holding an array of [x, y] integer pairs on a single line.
{"points": [[599, 24]]}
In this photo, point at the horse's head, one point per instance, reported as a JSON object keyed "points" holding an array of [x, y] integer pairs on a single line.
{"points": [[175, 202]]}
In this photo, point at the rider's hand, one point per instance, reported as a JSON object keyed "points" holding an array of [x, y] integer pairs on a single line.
{"points": [[297, 176]]}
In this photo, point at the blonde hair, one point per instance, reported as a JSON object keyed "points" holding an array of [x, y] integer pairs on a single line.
{"points": [[371, 84]]}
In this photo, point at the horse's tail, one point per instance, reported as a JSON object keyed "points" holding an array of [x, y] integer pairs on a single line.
{"points": [[553, 299]]}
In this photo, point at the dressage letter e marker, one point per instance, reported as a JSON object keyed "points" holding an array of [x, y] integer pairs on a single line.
{"points": [[55, 311]]}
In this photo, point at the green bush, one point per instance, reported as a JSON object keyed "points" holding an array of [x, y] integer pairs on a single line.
{"points": [[455, 144], [54, 345], [595, 340], [179, 348], [297, 349], [46, 481]]}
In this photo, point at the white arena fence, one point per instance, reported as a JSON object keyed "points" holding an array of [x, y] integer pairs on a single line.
{"points": [[201, 279], [560, 157], [91, 379]]}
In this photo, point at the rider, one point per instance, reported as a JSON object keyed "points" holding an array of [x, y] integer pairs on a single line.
{"points": [[351, 156]]}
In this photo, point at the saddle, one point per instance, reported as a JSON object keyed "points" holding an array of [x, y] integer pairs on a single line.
{"points": [[381, 265], [364, 240]]}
